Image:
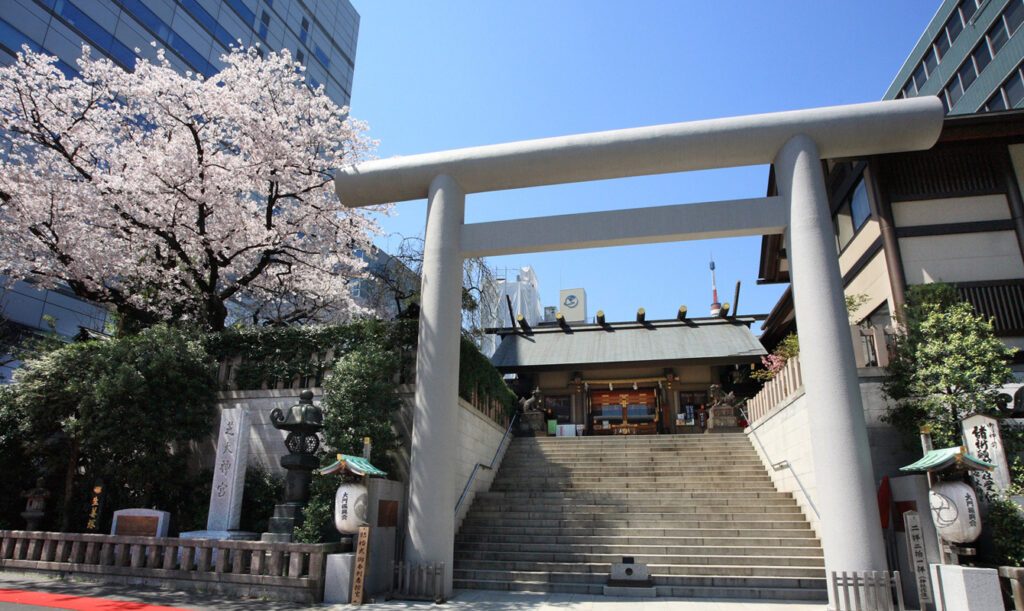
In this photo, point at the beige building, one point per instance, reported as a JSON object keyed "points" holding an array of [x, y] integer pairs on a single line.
{"points": [[950, 214]]}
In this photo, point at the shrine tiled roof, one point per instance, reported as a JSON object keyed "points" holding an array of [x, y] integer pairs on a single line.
{"points": [[710, 341]]}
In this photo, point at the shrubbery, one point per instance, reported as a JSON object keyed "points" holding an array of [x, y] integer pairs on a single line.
{"points": [[126, 411], [122, 410]]}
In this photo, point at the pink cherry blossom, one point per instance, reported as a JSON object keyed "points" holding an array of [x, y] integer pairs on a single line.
{"points": [[170, 196]]}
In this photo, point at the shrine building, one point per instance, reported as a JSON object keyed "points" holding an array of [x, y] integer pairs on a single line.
{"points": [[636, 377]]}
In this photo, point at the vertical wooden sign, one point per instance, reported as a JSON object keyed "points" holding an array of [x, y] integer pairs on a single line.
{"points": [[918, 557], [359, 574]]}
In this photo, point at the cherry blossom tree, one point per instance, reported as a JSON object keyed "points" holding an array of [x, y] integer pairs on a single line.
{"points": [[169, 196]]}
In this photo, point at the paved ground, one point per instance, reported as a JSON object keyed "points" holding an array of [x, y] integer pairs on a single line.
{"points": [[463, 599]]}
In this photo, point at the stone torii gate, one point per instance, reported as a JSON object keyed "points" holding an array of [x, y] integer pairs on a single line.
{"points": [[794, 141]]}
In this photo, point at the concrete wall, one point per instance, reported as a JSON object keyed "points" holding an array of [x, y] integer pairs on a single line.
{"points": [[783, 435], [478, 438]]}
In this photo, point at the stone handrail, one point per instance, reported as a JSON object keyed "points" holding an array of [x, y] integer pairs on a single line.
{"points": [[785, 383], [280, 571]]}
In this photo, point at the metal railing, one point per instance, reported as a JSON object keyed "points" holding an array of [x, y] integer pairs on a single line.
{"points": [[782, 464], [489, 467]]}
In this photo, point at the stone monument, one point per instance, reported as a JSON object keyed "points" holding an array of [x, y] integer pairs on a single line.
{"points": [[228, 480]]}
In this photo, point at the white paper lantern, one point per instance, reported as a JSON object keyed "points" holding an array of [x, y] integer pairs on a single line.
{"points": [[955, 511], [350, 508]]}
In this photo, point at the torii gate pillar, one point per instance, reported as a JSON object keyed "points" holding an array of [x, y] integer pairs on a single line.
{"points": [[850, 528], [431, 536]]}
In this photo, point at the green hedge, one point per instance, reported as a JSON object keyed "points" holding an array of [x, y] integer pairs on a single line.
{"points": [[272, 354]]}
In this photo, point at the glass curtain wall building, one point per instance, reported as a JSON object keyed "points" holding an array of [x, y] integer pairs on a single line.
{"points": [[970, 56], [321, 34]]}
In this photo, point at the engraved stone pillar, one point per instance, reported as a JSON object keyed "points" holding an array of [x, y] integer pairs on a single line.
{"points": [[229, 471]]}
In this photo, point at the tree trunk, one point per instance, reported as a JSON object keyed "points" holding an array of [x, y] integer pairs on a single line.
{"points": [[69, 484]]}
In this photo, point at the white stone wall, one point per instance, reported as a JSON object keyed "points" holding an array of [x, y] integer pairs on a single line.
{"points": [[479, 438], [783, 435], [266, 444]]}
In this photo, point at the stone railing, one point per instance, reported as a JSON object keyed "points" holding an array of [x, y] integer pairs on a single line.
{"points": [[280, 571], [785, 383]]}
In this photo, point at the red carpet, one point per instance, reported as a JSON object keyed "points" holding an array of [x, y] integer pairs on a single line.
{"points": [[77, 603]]}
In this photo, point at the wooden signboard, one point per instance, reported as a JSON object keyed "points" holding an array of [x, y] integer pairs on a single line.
{"points": [[359, 572], [918, 557]]}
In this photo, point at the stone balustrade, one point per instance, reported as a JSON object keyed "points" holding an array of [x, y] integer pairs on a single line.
{"points": [[279, 571], [784, 384]]}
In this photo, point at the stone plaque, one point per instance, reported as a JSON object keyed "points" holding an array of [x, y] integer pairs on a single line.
{"points": [[229, 471], [137, 526], [140, 523], [387, 514], [981, 436]]}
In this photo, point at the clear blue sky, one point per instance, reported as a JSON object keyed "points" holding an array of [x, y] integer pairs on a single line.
{"points": [[439, 75]]}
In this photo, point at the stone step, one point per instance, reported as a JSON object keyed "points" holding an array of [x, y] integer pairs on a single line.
{"points": [[640, 454], [675, 477], [622, 499], [769, 530], [519, 539], [615, 496], [642, 550], [680, 506], [698, 512], [637, 486], [749, 520], [667, 558], [601, 578], [558, 473], [691, 570], [629, 439], [615, 442], [692, 592], [626, 501], [677, 481], [710, 445]]}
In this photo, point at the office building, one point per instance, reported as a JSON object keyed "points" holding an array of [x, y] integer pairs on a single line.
{"points": [[970, 56], [321, 34]]}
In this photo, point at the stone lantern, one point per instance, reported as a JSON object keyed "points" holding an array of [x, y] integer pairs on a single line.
{"points": [[302, 421], [35, 505]]}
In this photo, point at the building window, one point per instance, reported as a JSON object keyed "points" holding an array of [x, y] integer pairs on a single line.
{"points": [[264, 24], [304, 30], [1010, 94], [300, 56], [1014, 89], [958, 20], [851, 215], [321, 56], [860, 209]]}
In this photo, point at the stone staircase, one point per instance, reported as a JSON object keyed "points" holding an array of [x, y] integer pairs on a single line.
{"points": [[699, 510]]}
